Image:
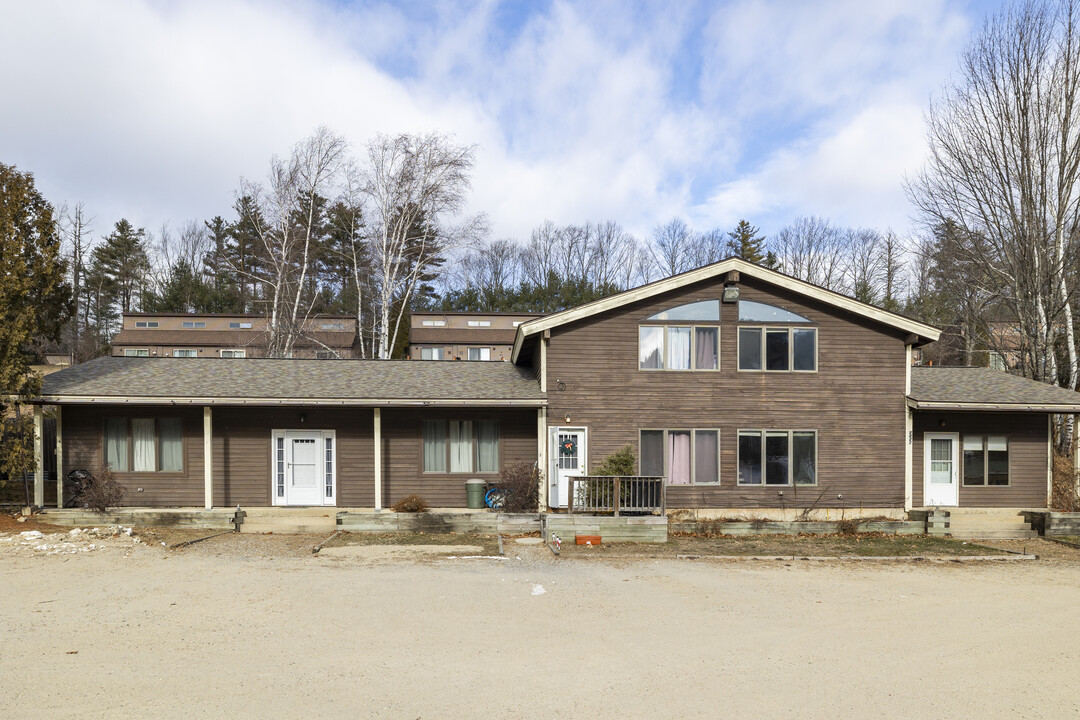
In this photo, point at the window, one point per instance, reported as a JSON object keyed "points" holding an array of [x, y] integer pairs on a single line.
{"points": [[750, 311], [997, 361], [328, 465], [233, 353], [685, 457], [778, 349], [431, 353], [192, 324], [479, 353], [146, 324], [463, 446], [185, 353], [324, 355], [332, 326], [479, 323], [678, 347], [986, 460], [704, 310], [239, 326], [136, 352], [433, 323], [777, 457], [518, 322], [144, 444]]}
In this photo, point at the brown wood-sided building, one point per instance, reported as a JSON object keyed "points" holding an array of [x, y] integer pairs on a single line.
{"points": [[746, 389]]}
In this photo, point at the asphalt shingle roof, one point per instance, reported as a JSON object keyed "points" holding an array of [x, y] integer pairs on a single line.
{"points": [[252, 379], [984, 386]]}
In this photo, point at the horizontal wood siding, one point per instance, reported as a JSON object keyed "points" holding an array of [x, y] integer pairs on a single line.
{"points": [[403, 452], [1027, 433], [855, 401], [83, 429], [242, 453]]}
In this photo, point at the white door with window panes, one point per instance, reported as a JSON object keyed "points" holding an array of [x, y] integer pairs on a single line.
{"points": [[569, 458], [304, 463], [941, 471]]}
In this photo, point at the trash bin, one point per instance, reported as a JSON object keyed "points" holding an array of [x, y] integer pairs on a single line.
{"points": [[474, 489]]}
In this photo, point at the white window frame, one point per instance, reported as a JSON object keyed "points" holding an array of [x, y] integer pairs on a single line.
{"points": [[763, 432], [332, 326], [328, 501], [481, 351], [693, 454], [985, 437], [791, 348], [239, 326], [136, 352], [693, 347], [479, 323], [436, 353], [433, 323], [146, 323], [233, 353], [474, 453], [194, 353], [192, 325]]}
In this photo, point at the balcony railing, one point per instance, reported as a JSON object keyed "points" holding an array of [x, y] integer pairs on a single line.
{"points": [[618, 494]]}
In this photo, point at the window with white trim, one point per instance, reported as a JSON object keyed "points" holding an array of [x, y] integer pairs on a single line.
{"points": [[146, 323], [185, 353], [678, 347], [431, 353], [684, 457], [986, 460], [332, 326], [777, 349], [239, 326], [460, 446], [233, 353], [136, 352], [192, 324], [777, 457], [143, 444], [479, 323], [433, 323], [478, 353]]}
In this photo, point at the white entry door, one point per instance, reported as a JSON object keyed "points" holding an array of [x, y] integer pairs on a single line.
{"points": [[941, 473], [569, 457], [304, 467]]}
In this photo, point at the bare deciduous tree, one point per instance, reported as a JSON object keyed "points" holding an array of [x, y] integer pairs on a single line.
{"points": [[1005, 167]]}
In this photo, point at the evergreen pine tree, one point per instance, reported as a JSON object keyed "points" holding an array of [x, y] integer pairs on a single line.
{"points": [[744, 242]]}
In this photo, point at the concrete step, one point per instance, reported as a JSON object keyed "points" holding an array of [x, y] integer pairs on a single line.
{"points": [[289, 525], [994, 535]]}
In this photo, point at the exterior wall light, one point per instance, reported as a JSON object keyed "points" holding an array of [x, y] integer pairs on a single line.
{"points": [[731, 293]]}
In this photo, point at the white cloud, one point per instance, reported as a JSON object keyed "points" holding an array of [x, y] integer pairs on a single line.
{"points": [[153, 111]]}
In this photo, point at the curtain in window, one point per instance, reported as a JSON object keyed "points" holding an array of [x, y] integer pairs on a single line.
{"points": [[678, 357], [434, 446], [461, 446], [679, 452], [142, 435], [650, 347], [705, 348], [487, 446], [171, 436], [116, 451]]}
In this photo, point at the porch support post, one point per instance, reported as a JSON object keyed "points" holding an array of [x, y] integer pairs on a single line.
{"points": [[39, 457], [208, 457], [541, 457], [908, 436], [59, 457], [378, 459]]}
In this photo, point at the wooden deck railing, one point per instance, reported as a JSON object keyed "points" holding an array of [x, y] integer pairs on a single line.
{"points": [[628, 494]]}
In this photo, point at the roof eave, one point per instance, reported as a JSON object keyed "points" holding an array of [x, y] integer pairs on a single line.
{"points": [[922, 330], [1002, 407], [291, 402]]}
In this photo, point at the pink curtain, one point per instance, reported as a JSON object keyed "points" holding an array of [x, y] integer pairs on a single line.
{"points": [[679, 453]]}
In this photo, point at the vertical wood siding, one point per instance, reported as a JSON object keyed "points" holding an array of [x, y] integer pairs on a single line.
{"points": [[855, 401], [1027, 433]]}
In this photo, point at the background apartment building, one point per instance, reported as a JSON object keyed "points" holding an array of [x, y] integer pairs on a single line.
{"points": [[464, 335]]}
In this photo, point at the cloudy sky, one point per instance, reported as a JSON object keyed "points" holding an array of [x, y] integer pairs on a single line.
{"points": [[596, 110]]}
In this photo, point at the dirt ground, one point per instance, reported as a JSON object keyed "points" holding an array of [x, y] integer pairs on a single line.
{"points": [[253, 626]]}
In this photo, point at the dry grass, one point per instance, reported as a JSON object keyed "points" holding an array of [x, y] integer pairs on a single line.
{"points": [[490, 543]]}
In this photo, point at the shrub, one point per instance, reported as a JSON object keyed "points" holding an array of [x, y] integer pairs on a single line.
{"points": [[1063, 495], [101, 491], [521, 483], [410, 504], [620, 462]]}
